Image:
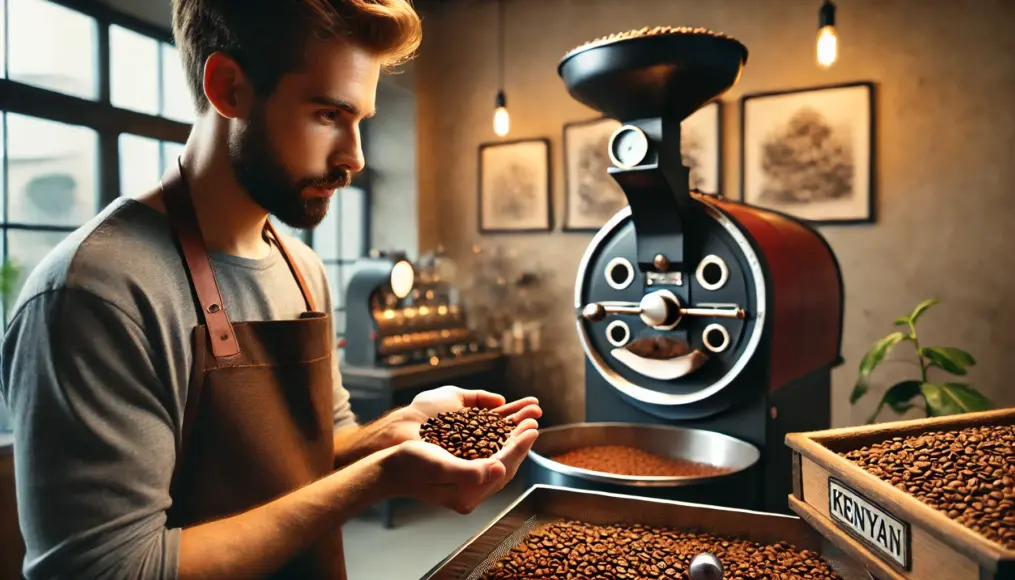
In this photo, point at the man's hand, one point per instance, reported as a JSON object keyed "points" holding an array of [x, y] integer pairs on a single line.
{"points": [[431, 474], [406, 422], [403, 424]]}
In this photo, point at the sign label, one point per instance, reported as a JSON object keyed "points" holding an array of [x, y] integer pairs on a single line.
{"points": [[866, 520]]}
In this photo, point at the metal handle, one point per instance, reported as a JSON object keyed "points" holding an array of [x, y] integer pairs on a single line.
{"points": [[660, 308], [714, 311]]}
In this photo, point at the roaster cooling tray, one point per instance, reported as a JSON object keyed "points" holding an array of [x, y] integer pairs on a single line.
{"points": [[542, 504]]}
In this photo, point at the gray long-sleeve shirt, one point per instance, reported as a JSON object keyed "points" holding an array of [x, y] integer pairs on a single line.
{"points": [[94, 369]]}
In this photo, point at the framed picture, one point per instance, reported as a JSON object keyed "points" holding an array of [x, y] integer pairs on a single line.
{"points": [[592, 197], [809, 153], [514, 186]]}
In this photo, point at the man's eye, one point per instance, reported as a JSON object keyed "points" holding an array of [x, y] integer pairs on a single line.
{"points": [[327, 116]]}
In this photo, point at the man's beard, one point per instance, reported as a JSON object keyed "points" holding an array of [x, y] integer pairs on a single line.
{"points": [[267, 180]]}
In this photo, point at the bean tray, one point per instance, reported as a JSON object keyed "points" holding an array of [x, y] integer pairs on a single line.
{"points": [[892, 531], [542, 504]]}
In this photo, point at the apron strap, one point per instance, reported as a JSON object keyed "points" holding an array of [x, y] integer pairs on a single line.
{"points": [[307, 296], [181, 213]]}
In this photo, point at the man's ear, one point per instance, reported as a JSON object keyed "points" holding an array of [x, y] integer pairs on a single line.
{"points": [[226, 86]]}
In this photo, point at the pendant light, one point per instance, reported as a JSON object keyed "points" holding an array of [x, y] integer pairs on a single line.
{"points": [[501, 121], [827, 49]]}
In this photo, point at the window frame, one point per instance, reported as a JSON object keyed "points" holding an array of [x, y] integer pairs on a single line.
{"points": [[109, 122]]}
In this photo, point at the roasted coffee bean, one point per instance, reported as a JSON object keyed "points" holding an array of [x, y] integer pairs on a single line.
{"points": [[572, 550], [626, 460], [659, 347], [968, 475], [469, 433]]}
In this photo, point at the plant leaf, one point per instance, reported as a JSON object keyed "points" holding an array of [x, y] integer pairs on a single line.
{"points": [[953, 399], [902, 321], [947, 358], [871, 360], [898, 396], [921, 308]]}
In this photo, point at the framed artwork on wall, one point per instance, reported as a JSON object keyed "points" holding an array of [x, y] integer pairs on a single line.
{"points": [[809, 153], [514, 186], [592, 196]]}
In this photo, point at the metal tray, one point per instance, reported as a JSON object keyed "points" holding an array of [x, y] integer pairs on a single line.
{"points": [[546, 503]]}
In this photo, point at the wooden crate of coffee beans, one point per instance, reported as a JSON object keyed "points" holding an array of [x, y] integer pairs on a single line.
{"points": [[558, 533], [925, 499]]}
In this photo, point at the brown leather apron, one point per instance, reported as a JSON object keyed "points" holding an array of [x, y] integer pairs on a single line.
{"points": [[258, 418]]}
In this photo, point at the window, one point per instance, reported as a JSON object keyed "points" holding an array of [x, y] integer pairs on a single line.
{"points": [[52, 47], [339, 240], [143, 161]]}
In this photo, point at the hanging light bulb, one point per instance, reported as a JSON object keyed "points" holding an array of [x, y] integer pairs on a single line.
{"points": [[501, 121], [828, 40]]}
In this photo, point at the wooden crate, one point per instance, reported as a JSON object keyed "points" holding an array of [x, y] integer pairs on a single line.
{"points": [[911, 540]]}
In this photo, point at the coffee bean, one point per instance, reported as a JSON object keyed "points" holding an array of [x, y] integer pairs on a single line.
{"points": [[625, 460], [469, 433], [637, 552], [968, 474]]}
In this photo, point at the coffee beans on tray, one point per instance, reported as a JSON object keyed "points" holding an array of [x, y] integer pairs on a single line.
{"points": [[469, 433], [969, 475], [626, 460], [579, 551]]}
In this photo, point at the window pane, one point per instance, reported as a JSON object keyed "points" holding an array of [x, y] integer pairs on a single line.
{"points": [[177, 103], [134, 71], [139, 164], [353, 216], [326, 233], [170, 153], [53, 47], [53, 176], [27, 249], [335, 282], [3, 42]]}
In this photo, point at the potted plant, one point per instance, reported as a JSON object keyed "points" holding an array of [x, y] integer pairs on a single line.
{"points": [[935, 397]]}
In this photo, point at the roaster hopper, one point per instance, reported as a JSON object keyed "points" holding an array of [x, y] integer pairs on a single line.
{"points": [[694, 310], [544, 504]]}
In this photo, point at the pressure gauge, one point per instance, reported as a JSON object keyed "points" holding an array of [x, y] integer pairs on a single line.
{"points": [[628, 147]]}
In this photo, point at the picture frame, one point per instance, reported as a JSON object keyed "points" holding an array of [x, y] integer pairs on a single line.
{"points": [[592, 197], [835, 125], [514, 186]]}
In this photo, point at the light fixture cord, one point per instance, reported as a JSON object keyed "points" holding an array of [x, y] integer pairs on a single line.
{"points": [[500, 34]]}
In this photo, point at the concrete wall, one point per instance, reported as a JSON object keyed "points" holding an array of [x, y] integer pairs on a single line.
{"points": [[944, 144]]}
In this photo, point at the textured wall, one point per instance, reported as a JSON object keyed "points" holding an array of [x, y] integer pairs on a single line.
{"points": [[945, 72]]}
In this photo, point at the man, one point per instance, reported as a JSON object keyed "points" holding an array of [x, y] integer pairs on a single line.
{"points": [[177, 406]]}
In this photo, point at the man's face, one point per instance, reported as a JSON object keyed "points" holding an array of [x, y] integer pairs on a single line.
{"points": [[303, 141]]}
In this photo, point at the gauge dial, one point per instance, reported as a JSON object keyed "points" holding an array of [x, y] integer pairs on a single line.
{"points": [[628, 146]]}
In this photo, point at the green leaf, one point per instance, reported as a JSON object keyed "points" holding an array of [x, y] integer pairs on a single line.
{"points": [[898, 396], [920, 308], [953, 399], [953, 360], [871, 360], [902, 321]]}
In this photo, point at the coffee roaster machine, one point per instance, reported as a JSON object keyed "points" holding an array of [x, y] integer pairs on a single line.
{"points": [[398, 316], [709, 327]]}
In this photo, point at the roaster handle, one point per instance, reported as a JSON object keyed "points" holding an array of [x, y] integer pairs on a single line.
{"points": [[660, 309]]}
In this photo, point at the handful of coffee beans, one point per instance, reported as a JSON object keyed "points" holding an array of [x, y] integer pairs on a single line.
{"points": [[572, 550], [469, 433], [969, 475], [625, 460]]}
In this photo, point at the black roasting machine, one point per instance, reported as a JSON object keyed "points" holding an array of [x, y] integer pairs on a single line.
{"points": [[709, 327]]}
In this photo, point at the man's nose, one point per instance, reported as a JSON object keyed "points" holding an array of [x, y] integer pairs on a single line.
{"points": [[350, 154]]}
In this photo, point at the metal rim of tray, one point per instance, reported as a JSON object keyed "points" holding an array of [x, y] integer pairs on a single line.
{"points": [[646, 480]]}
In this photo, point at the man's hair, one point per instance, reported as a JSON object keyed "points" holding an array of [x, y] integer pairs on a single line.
{"points": [[269, 38]]}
